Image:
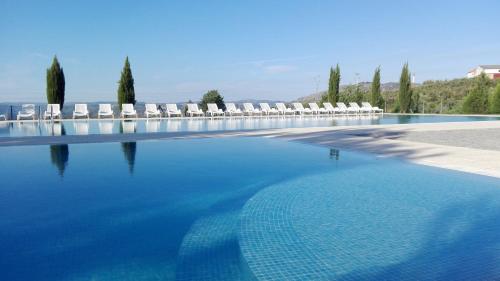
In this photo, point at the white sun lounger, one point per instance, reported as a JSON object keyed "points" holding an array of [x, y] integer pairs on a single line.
{"points": [[231, 110], [53, 111], [193, 110], [316, 109], [299, 108], [267, 110], [151, 110], [373, 109], [361, 109], [213, 110], [248, 109], [346, 109], [282, 109], [128, 110], [331, 109], [2, 116], [172, 110], [355, 105], [81, 111], [105, 110], [27, 111]]}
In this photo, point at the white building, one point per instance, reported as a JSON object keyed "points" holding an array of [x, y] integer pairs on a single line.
{"points": [[492, 71]]}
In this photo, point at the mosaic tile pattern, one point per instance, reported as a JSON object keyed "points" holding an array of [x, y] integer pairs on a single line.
{"points": [[335, 227], [210, 251]]}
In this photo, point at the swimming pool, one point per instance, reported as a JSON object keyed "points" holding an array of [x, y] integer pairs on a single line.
{"points": [[84, 127], [240, 209]]}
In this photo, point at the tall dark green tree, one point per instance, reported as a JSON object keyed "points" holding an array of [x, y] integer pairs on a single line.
{"points": [[376, 94], [476, 101], [334, 85], [55, 83], [405, 100], [212, 96], [495, 100], [126, 92]]}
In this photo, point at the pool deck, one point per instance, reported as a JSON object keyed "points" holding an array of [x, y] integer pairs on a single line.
{"points": [[472, 147]]}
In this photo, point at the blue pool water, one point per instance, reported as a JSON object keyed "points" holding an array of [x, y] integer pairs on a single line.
{"points": [[240, 209], [84, 127]]}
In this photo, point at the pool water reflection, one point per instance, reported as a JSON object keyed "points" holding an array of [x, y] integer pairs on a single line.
{"points": [[104, 126], [239, 209]]}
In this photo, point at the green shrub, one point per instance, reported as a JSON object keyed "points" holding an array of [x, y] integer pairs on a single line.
{"points": [[212, 96]]}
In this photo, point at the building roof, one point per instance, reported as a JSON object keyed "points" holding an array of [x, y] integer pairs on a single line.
{"points": [[490, 66]]}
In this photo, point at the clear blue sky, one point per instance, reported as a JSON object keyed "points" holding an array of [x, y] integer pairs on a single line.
{"points": [[246, 49]]}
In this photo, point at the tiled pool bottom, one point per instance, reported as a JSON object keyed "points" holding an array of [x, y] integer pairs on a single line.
{"points": [[240, 209]]}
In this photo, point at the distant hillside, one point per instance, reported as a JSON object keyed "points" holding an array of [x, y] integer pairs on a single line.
{"points": [[435, 96], [365, 86]]}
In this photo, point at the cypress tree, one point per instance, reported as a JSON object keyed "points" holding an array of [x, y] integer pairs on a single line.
{"points": [[405, 91], [376, 96], [495, 100], [476, 101], [126, 92], [55, 83], [334, 85]]}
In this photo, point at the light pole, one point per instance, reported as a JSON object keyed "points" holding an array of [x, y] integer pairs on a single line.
{"points": [[317, 80]]}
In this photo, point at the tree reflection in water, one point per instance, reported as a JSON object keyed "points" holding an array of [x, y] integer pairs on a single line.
{"points": [[59, 155], [129, 150]]}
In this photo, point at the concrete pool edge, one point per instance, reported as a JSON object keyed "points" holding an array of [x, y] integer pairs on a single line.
{"points": [[382, 140]]}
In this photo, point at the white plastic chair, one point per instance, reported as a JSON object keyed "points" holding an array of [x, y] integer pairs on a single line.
{"points": [[282, 109], [81, 111], [105, 110], [248, 109], [299, 108], [231, 110], [345, 109], [266, 109], [213, 110], [53, 111], [128, 110], [151, 110], [373, 109], [331, 109], [193, 110], [27, 111], [316, 109], [172, 110]]}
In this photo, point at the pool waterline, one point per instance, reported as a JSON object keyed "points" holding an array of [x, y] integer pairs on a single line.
{"points": [[127, 126]]}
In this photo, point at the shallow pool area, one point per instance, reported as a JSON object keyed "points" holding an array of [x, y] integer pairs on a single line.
{"points": [[240, 209], [109, 126]]}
